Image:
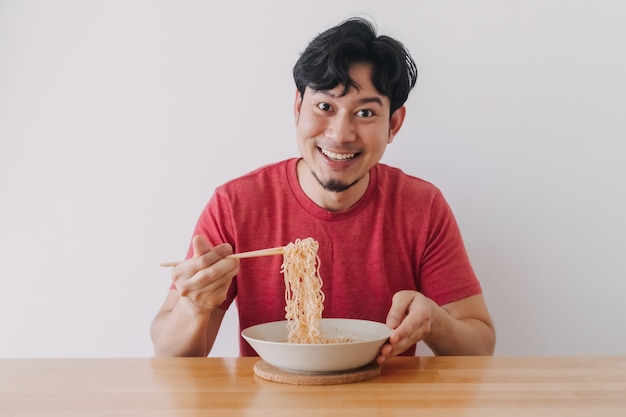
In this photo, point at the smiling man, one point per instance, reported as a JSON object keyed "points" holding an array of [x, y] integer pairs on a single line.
{"points": [[389, 245]]}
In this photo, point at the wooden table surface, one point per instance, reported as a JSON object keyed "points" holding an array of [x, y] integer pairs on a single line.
{"points": [[427, 386]]}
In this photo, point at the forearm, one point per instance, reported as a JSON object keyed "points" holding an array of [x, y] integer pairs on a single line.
{"points": [[181, 331], [460, 336]]}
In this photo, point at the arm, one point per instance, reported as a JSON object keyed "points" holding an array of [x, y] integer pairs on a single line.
{"points": [[462, 327], [188, 321]]}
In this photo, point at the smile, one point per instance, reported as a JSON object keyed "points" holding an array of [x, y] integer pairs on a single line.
{"points": [[337, 156]]}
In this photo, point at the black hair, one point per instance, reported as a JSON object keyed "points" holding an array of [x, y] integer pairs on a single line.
{"points": [[325, 62]]}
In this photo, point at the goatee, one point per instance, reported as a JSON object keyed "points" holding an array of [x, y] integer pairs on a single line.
{"points": [[334, 185]]}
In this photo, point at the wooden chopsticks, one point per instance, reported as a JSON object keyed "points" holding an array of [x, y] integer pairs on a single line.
{"points": [[251, 254]]}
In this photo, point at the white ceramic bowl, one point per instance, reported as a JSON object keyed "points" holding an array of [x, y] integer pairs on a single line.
{"points": [[269, 341]]}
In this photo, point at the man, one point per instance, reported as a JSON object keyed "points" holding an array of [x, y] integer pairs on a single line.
{"points": [[390, 248]]}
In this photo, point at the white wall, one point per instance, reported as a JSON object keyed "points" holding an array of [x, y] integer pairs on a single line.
{"points": [[118, 118]]}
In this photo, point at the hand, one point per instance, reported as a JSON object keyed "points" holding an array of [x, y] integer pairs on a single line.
{"points": [[410, 316], [204, 279]]}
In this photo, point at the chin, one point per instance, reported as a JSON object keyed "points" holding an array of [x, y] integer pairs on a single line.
{"points": [[335, 185]]}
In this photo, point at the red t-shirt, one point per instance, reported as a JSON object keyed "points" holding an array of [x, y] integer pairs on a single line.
{"points": [[401, 235]]}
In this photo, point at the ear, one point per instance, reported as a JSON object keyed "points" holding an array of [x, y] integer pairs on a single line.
{"points": [[395, 123], [297, 105]]}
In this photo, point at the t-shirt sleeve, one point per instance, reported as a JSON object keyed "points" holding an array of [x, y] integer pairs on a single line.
{"points": [[446, 274], [214, 223]]}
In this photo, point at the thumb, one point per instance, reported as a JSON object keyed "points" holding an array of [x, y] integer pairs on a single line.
{"points": [[399, 308], [200, 246]]}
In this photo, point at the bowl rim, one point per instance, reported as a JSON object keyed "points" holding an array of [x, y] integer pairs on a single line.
{"points": [[324, 320]]}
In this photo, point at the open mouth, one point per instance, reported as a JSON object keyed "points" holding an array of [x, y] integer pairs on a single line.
{"points": [[337, 156]]}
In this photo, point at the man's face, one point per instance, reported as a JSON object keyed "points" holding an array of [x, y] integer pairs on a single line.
{"points": [[342, 137]]}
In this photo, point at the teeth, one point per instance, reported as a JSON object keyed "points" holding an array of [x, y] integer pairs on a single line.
{"points": [[337, 156]]}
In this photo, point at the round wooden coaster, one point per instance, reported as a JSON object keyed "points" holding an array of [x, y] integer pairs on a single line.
{"points": [[264, 370]]}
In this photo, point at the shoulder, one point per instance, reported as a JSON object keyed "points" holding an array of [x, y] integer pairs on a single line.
{"points": [[264, 176], [410, 195], [393, 178]]}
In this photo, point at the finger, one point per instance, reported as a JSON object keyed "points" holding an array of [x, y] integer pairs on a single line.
{"points": [[209, 287], [214, 255], [413, 329], [212, 265], [399, 308], [223, 250], [189, 267], [213, 294], [197, 272], [407, 334], [200, 245]]}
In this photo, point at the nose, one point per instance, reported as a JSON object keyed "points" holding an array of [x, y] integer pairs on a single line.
{"points": [[341, 128]]}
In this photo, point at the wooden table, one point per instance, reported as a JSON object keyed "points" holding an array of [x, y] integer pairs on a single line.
{"points": [[417, 387]]}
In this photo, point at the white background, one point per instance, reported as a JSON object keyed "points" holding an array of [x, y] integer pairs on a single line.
{"points": [[118, 119]]}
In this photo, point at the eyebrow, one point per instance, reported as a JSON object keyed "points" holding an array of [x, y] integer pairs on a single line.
{"points": [[363, 100]]}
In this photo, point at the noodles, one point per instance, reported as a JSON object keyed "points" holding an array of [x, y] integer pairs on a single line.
{"points": [[303, 291]]}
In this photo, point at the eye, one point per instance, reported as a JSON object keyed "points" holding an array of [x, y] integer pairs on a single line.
{"points": [[324, 106], [365, 113]]}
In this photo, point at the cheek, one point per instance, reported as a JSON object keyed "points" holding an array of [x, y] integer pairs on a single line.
{"points": [[309, 126], [376, 136]]}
